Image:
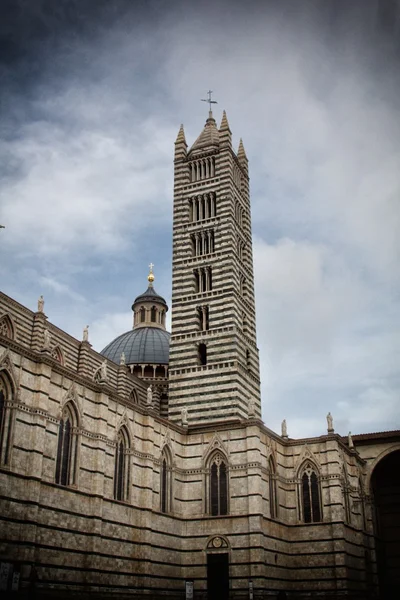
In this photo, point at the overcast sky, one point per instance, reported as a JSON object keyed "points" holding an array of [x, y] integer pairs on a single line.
{"points": [[92, 95]]}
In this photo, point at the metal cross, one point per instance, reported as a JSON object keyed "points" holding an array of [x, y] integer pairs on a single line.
{"points": [[209, 99], [151, 267]]}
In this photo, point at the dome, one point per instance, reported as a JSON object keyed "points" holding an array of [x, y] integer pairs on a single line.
{"points": [[146, 345]]}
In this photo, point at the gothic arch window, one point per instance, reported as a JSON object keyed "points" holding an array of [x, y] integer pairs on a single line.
{"points": [[6, 327], [67, 447], [166, 482], [310, 494], [273, 496], [6, 395], [121, 467], [218, 485]]}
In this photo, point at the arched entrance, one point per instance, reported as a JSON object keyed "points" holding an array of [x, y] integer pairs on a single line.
{"points": [[385, 485]]}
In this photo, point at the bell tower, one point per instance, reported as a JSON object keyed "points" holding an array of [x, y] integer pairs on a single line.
{"points": [[214, 365]]}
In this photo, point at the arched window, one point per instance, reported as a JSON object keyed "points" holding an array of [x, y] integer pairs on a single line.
{"points": [[311, 503], [153, 314], [121, 472], [218, 487], [273, 498], [202, 351], [6, 393], [142, 314], [166, 482], [67, 446]]}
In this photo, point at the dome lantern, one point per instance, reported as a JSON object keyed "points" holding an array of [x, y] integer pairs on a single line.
{"points": [[149, 309]]}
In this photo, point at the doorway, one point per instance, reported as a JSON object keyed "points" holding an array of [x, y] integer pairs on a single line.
{"points": [[217, 576]]}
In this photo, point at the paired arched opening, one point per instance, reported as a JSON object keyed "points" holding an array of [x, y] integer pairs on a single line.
{"points": [[310, 495], [67, 447], [218, 485]]}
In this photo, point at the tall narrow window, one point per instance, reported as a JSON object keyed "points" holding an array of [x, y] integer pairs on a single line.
{"points": [[142, 314], [346, 495], [204, 282], [273, 500], [67, 447], [203, 317], [153, 314], [121, 471], [218, 486], [310, 495], [196, 281], [6, 393], [166, 483], [202, 351]]}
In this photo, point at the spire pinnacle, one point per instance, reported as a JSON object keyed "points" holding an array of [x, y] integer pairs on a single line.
{"points": [[241, 151], [180, 138], [224, 122]]}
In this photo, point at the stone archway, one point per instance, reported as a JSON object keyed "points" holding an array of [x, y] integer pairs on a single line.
{"points": [[385, 485]]}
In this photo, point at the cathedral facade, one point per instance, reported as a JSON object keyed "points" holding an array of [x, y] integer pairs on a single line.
{"points": [[145, 470]]}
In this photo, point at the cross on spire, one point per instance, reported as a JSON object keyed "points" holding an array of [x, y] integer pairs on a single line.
{"points": [[150, 277], [209, 101]]}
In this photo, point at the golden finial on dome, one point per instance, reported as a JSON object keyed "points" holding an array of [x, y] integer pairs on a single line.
{"points": [[150, 277]]}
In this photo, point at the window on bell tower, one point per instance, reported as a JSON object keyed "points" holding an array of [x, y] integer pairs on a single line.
{"points": [[202, 206], [202, 354]]}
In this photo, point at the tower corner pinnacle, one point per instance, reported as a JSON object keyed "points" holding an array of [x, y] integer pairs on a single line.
{"points": [[241, 154], [225, 134], [224, 123], [180, 145], [180, 138]]}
